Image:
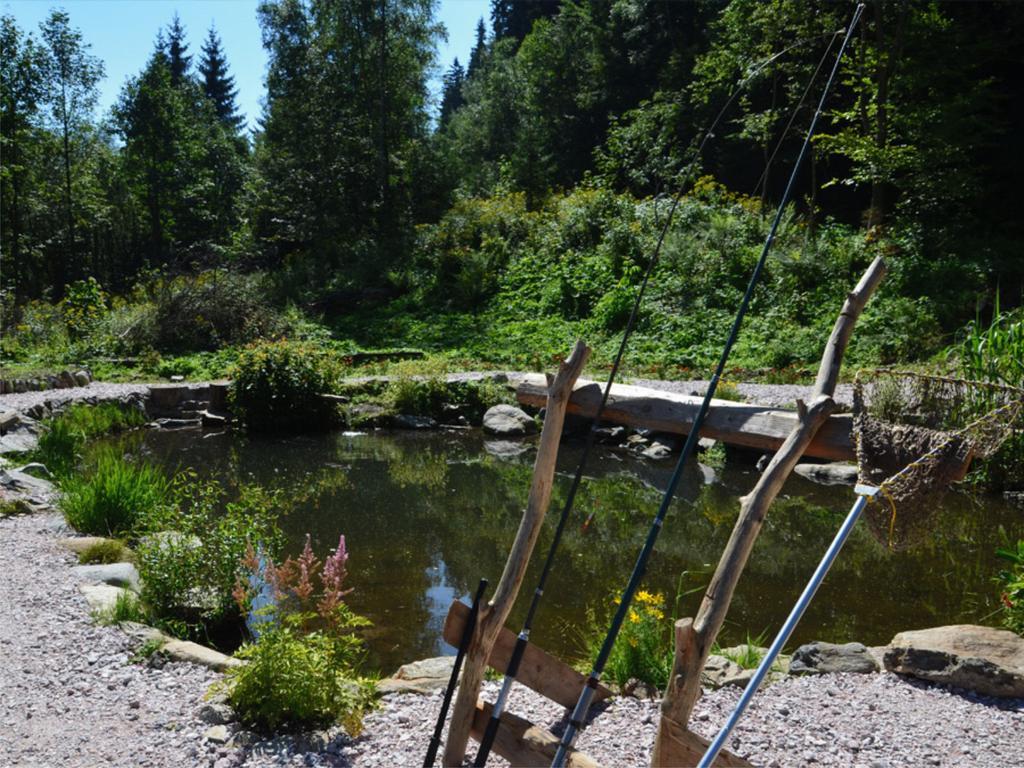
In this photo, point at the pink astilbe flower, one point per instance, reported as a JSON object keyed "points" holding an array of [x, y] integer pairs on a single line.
{"points": [[332, 577]]}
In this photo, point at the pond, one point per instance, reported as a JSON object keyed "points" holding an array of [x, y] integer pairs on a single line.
{"points": [[427, 514]]}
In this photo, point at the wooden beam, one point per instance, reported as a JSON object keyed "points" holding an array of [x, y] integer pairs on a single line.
{"points": [[522, 743], [694, 640], [538, 670], [744, 424], [493, 616]]}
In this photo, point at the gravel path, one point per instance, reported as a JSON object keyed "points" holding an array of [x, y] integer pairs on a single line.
{"points": [[775, 395], [69, 696], [96, 391]]}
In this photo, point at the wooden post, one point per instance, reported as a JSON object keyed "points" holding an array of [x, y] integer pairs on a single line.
{"points": [[692, 654], [492, 617]]}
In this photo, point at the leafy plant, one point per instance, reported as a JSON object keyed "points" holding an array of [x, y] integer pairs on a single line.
{"points": [[303, 666], [643, 649], [189, 558], [114, 497], [277, 387], [84, 303], [747, 655], [1011, 581]]}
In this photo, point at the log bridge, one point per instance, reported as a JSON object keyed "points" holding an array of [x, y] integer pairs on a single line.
{"points": [[751, 426]]}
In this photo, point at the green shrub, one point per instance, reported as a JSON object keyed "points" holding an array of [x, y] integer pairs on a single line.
{"points": [[643, 649], [106, 551], [1011, 582], [189, 558], [111, 500], [303, 668], [83, 305], [277, 385]]}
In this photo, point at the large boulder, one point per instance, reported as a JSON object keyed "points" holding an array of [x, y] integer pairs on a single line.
{"points": [[508, 421], [822, 658], [421, 676], [981, 659]]}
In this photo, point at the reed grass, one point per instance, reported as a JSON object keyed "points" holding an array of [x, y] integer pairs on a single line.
{"points": [[114, 497]]}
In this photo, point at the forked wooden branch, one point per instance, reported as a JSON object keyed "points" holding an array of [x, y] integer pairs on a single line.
{"points": [[694, 644], [492, 617]]}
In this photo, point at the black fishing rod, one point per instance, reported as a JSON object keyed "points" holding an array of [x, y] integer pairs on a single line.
{"points": [[587, 694], [523, 639], [467, 634]]}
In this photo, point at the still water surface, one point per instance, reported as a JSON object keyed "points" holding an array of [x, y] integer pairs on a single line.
{"points": [[426, 515]]}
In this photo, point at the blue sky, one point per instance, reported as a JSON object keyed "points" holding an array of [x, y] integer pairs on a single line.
{"points": [[122, 33]]}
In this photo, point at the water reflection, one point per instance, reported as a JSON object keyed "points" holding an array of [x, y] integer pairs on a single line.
{"points": [[426, 515]]}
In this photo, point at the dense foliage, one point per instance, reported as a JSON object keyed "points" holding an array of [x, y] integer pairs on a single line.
{"points": [[112, 498], [277, 387], [1011, 581], [526, 213], [64, 436]]}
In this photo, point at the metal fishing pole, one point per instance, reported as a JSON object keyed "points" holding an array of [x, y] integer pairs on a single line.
{"points": [[467, 634], [586, 695], [523, 639]]}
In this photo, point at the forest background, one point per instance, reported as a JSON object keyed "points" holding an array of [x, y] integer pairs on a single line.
{"points": [[492, 228]]}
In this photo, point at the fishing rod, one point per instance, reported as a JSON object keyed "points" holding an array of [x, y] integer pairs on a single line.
{"points": [[586, 695], [467, 633], [523, 639]]}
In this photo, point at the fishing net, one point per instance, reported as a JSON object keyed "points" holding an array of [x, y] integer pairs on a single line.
{"points": [[915, 435]]}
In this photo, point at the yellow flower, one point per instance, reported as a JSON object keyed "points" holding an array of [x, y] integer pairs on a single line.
{"points": [[647, 598], [655, 612], [634, 617]]}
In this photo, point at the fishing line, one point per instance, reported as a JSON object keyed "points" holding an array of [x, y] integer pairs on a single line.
{"points": [[792, 117], [586, 695], [522, 640]]}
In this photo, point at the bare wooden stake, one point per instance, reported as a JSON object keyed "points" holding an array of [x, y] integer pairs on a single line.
{"points": [[492, 617], [692, 654]]}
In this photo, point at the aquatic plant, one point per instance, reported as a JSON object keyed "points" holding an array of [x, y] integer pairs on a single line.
{"points": [[63, 436], [1011, 582], [113, 497]]}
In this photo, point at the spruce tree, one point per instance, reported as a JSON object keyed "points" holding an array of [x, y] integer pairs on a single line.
{"points": [[218, 85], [476, 56], [451, 95], [177, 50]]}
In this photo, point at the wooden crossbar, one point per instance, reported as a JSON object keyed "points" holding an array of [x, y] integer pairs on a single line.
{"points": [[539, 670]]}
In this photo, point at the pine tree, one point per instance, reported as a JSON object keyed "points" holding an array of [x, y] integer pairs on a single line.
{"points": [[177, 49], [218, 85], [476, 56], [451, 95]]}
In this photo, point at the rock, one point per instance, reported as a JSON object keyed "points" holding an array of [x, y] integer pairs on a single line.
{"points": [[421, 676], [981, 659], [717, 670], [506, 449], [706, 443], [217, 734], [183, 650], [82, 378], [213, 420], [707, 474], [143, 633], [173, 423], [66, 379], [822, 658], [367, 415], [508, 421], [657, 451], [216, 713], [101, 597], [828, 474], [117, 574], [16, 480], [9, 420], [18, 442], [610, 434], [409, 421], [37, 470]]}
